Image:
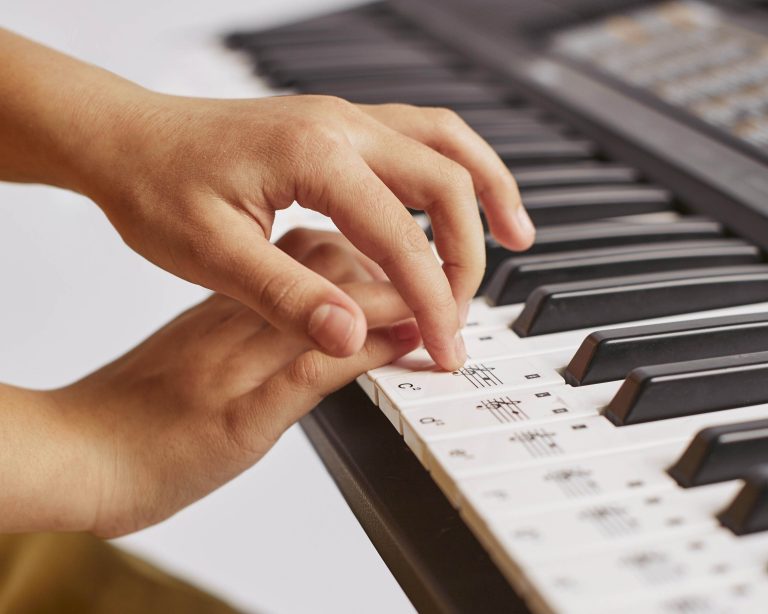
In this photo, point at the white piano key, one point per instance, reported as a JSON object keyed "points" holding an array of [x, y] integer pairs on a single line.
{"points": [[368, 387], [481, 316], [615, 578], [561, 484], [574, 530], [423, 424], [460, 458], [487, 376], [745, 594]]}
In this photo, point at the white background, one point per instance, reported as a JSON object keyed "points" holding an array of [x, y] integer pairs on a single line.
{"points": [[279, 538]]}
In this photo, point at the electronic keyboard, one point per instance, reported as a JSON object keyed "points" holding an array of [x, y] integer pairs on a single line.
{"points": [[605, 447]]}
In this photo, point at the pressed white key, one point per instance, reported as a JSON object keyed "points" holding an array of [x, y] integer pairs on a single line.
{"points": [[560, 484], [423, 424], [480, 345], [461, 458], [576, 529], [491, 375], [616, 577]]}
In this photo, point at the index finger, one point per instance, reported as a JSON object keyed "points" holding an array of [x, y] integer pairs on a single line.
{"points": [[378, 224]]}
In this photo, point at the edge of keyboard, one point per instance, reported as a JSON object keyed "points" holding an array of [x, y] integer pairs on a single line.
{"points": [[398, 504]]}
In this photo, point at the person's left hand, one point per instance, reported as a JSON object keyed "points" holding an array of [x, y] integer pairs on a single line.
{"points": [[206, 396]]}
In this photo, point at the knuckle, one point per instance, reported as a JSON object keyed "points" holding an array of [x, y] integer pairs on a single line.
{"points": [[306, 371], [333, 103], [461, 177], [280, 294], [447, 120], [412, 241], [250, 433]]}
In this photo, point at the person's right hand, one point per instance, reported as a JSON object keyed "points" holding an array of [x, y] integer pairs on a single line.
{"points": [[194, 186]]}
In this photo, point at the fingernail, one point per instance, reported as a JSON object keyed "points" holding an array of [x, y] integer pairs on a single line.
{"points": [[460, 349], [331, 327], [407, 330], [525, 223], [464, 314]]}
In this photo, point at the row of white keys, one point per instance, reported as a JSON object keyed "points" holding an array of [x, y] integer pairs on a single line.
{"points": [[746, 593], [607, 581], [552, 485], [457, 459], [493, 340], [476, 376], [423, 424], [488, 335], [575, 530]]}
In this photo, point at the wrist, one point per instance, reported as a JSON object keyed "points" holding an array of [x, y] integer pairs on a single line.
{"points": [[47, 480]]}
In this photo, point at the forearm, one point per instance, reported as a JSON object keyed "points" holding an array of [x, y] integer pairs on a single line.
{"points": [[47, 478], [58, 116]]}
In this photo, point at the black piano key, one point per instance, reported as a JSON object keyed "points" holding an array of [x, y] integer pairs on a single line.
{"points": [[518, 276], [335, 28], [433, 94], [748, 512], [574, 175], [500, 138], [305, 80], [595, 302], [571, 237], [523, 129], [592, 235], [538, 152], [567, 205], [502, 115], [399, 57], [722, 453], [343, 86], [673, 390], [331, 50], [608, 355]]}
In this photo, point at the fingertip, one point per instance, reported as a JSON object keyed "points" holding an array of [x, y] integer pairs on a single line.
{"points": [[514, 230], [525, 226]]}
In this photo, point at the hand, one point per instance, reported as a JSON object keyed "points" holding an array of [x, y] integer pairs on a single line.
{"points": [[194, 186], [206, 397]]}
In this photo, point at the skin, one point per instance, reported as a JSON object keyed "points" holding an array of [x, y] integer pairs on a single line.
{"points": [[193, 185], [187, 410]]}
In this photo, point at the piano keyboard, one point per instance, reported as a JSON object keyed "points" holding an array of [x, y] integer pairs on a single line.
{"points": [[607, 440]]}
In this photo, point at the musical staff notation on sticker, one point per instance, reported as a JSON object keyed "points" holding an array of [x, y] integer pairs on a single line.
{"points": [[503, 409]]}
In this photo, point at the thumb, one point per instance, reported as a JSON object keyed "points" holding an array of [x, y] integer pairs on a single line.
{"points": [[292, 392], [290, 296]]}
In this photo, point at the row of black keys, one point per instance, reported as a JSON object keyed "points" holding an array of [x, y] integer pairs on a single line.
{"points": [[561, 182], [369, 56], [731, 452]]}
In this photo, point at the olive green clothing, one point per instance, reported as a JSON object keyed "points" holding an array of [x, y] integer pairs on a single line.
{"points": [[78, 573]]}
